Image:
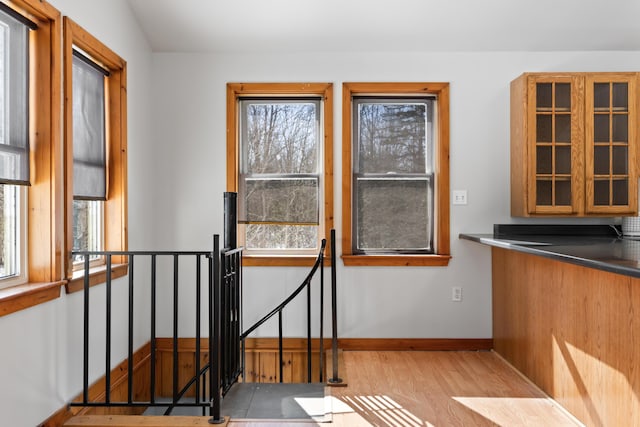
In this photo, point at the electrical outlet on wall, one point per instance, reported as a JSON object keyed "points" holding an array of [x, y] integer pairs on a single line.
{"points": [[456, 294], [459, 197]]}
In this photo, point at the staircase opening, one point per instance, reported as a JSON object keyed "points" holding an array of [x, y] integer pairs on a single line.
{"points": [[198, 359]]}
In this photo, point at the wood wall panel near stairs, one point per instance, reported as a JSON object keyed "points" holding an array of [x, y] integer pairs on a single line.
{"points": [[261, 361]]}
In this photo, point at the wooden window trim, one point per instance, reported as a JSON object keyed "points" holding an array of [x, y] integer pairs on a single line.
{"points": [[441, 173], [324, 90], [44, 216], [97, 275], [115, 232]]}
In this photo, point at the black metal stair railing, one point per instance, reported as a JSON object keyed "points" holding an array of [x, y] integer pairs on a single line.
{"points": [[156, 281], [225, 336]]}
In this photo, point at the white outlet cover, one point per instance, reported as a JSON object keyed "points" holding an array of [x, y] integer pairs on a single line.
{"points": [[459, 197]]}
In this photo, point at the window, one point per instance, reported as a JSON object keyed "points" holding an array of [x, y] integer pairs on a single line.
{"points": [[96, 146], [395, 172], [89, 157], [281, 168], [40, 243], [14, 144]]}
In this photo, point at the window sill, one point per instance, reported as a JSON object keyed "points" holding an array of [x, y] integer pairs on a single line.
{"points": [[396, 260], [282, 261], [97, 275], [19, 297]]}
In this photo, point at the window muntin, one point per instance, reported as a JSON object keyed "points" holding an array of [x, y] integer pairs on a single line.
{"points": [[393, 175], [280, 174]]}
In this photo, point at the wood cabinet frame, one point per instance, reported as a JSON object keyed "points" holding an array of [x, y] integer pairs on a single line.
{"points": [[523, 145]]}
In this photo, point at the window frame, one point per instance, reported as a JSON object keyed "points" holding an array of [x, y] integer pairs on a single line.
{"points": [[441, 255], [236, 91], [45, 231], [115, 206]]}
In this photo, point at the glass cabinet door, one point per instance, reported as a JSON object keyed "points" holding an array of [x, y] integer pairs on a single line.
{"points": [[553, 142], [610, 145]]}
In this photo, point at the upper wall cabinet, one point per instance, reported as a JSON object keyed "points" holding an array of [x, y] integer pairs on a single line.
{"points": [[573, 144]]}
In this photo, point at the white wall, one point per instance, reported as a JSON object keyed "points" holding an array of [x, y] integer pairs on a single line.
{"points": [[41, 356], [415, 302]]}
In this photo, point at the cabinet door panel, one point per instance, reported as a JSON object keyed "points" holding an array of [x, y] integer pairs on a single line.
{"points": [[610, 140], [555, 106]]}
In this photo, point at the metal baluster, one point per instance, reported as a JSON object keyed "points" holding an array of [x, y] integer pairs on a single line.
{"points": [[175, 329], [309, 331], [197, 361], [152, 382], [321, 317], [214, 332], [130, 344], [280, 342], [334, 316], [107, 383], [85, 374]]}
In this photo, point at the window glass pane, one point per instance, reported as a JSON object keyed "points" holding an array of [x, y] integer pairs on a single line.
{"points": [[620, 192], [279, 183], [281, 237], [620, 162], [9, 232], [601, 160], [89, 167], [393, 137], [543, 96], [620, 128], [563, 96], [563, 193], [601, 128], [563, 128], [394, 215], [14, 138], [601, 192], [544, 192], [544, 123], [280, 137], [601, 93], [543, 159], [620, 96], [293, 200], [563, 159], [87, 227]]}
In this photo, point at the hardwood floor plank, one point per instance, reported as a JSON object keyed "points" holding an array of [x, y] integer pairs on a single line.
{"points": [[432, 388]]}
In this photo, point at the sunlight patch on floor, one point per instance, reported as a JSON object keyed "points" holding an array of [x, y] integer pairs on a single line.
{"points": [[503, 410], [380, 408]]}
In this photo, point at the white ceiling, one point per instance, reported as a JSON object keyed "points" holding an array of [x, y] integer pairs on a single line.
{"points": [[388, 25]]}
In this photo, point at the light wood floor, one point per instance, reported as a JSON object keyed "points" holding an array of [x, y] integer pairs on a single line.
{"points": [[414, 389]]}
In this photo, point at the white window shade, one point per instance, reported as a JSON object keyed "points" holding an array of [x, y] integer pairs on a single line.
{"points": [[89, 148], [14, 96]]}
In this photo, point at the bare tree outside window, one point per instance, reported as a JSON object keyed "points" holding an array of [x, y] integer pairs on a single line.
{"points": [[280, 173]]}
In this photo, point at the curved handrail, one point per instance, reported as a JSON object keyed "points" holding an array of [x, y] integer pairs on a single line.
{"points": [[295, 293]]}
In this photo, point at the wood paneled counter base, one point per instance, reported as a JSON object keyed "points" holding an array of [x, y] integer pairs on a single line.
{"points": [[573, 330]]}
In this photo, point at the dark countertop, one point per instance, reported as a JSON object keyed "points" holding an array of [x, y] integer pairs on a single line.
{"points": [[596, 246]]}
